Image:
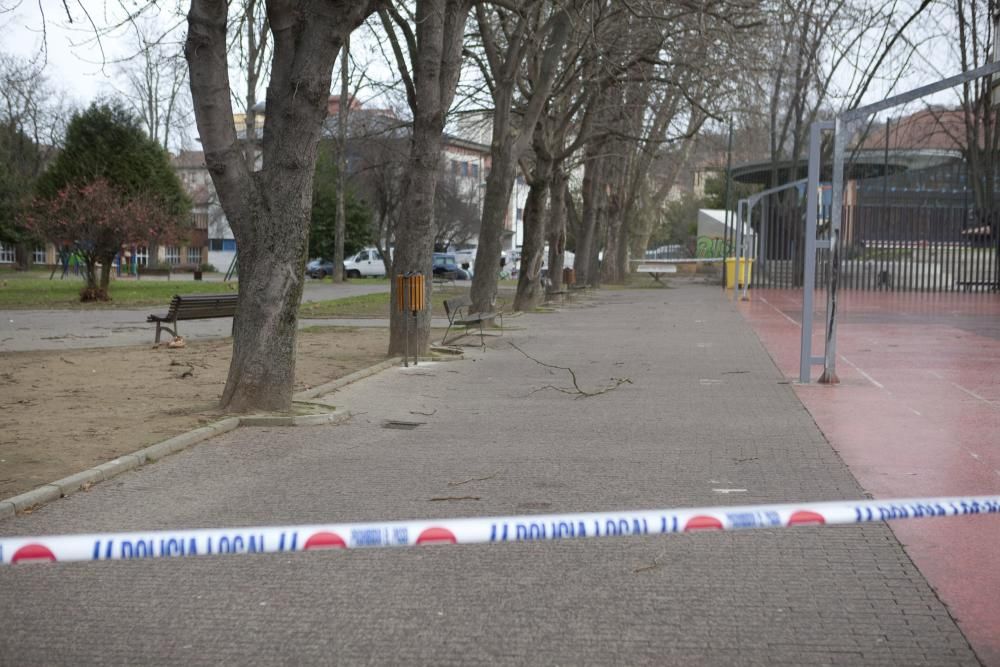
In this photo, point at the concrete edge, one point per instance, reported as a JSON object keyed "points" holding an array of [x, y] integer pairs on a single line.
{"points": [[81, 481], [346, 380], [335, 417]]}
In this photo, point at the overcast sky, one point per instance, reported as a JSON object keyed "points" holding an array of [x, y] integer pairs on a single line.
{"points": [[86, 70]]}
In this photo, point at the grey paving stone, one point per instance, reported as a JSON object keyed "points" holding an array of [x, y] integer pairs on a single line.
{"points": [[838, 595]]}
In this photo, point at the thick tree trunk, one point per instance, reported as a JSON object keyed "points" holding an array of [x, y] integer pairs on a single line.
{"points": [[268, 209], [529, 280], [556, 228], [415, 238], [262, 370]]}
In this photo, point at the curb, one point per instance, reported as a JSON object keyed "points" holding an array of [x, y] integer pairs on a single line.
{"points": [[81, 481], [346, 380]]}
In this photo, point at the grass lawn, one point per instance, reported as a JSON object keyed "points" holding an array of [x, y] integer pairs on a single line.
{"points": [[34, 290], [371, 305]]}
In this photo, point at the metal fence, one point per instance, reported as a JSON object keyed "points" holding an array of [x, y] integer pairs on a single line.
{"points": [[918, 248]]}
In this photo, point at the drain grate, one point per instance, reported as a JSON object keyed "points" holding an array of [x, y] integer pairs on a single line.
{"points": [[401, 425]]}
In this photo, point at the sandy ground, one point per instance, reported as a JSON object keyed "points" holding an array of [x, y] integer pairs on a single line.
{"points": [[62, 412]]}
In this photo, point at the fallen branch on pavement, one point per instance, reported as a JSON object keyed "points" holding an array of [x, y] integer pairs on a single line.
{"points": [[577, 389]]}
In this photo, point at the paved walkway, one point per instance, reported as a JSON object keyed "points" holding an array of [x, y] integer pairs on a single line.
{"points": [[707, 411], [917, 412]]}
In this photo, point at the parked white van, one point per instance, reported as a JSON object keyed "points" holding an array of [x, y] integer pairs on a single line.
{"points": [[366, 263]]}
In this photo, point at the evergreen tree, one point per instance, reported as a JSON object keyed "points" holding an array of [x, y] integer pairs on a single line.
{"points": [[108, 162]]}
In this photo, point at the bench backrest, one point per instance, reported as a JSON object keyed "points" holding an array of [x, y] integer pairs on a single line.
{"points": [[452, 305], [202, 306]]}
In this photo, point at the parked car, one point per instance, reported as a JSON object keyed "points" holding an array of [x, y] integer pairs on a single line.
{"points": [[319, 268], [445, 263], [366, 263]]}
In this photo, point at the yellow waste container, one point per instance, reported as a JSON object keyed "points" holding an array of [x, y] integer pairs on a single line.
{"points": [[745, 272]]}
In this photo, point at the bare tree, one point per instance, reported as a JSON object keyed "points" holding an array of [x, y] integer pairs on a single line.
{"points": [[31, 123], [981, 146], [507, 38], [427, 47], [156, 87], [268, 209]]}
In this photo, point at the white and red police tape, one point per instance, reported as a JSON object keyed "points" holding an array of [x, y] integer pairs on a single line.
{"points": [[282, 539]]}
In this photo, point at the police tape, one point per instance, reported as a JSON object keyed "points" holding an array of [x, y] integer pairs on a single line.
{"points": [[286, 539]]}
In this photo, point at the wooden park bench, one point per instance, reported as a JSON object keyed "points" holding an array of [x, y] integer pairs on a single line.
{"points": [[194, 307], [457, 310]]}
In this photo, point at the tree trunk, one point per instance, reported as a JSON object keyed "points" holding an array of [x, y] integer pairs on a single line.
{"points": [[341, 226], [415, 238], [611, 269], [495, 205], [262, 370], [586, 241], [529, 280], [508, 146], [437, 64], [556, 228], [22, 255], [268, 209], [90, 290], [103, 294]]}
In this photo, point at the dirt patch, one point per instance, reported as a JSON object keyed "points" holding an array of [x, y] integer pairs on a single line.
{"points": [[63, 412]]}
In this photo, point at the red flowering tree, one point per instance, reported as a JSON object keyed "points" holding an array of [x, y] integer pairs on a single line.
{"points": [[96, 220]]}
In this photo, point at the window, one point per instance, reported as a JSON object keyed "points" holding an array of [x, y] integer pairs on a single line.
{"points": [[6, 254], [229, 245], [38, 257], [465, 169], [200, 220], [172, 254], [454, 167], [142, 256], [215, 245], [520, 214], [475, 170], [362, 256], [194, 256]]}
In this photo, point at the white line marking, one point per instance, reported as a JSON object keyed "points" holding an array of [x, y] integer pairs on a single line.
{"points": [[866, 376], [974, 394], [778, 310], [725, 491]]}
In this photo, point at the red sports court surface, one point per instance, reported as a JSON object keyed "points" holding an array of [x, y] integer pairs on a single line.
{"points": [[916, 413]]}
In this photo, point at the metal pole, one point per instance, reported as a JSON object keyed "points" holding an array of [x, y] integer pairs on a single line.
{"points": [[840, 130], [748, 253], [725, 203], [809, 270]]}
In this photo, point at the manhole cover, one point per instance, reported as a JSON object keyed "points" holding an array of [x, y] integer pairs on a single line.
{"points": [[401, 425]]}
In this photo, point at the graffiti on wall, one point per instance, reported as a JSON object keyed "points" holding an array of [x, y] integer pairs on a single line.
{"points": [[713, 246]]}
